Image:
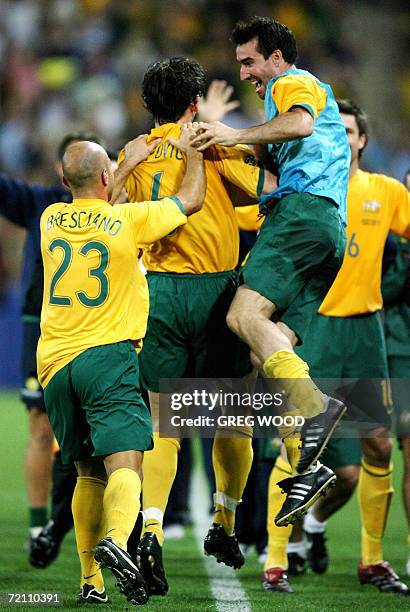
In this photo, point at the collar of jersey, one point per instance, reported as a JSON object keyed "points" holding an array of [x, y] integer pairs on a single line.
{"points": [[162, 130], [88, 200]]}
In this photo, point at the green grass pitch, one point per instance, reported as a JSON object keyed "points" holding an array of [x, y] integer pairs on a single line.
{"points": [[190, 588]]}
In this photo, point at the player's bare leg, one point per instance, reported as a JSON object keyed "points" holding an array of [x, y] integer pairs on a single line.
{"points": [[37, 468], [272, 344]]}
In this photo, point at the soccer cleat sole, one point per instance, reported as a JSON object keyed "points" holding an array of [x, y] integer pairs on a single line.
{"points": [[322, 447], [131, 584], [156, 584], [269, 588], [220, 558], [292, 517]]}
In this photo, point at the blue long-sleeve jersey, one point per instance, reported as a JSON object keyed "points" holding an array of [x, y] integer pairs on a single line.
{"points": [[23, 203]]}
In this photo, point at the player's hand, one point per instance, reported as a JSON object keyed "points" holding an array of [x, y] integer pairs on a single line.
{"points": [[208, 134], [216, 104], [137, 150], [184, 143]]}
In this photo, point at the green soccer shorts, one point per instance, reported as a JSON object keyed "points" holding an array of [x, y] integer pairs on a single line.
{"points": [[347, 357], [296, 257], [94, 404], [187, 334]]}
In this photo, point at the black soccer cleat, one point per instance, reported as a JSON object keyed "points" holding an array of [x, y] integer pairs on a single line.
{"points": [[275, 579], [383, 577], [135, 536], [318, 555], [90, 595], [129, 580], [317, 431], [45, 547], [296, 564], [302, 492], [149, 561], [223, 547]]}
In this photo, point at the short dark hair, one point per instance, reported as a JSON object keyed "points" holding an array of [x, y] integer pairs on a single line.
{"points": [[74, 137], [271, 35], [170, 86], [348, 107]]}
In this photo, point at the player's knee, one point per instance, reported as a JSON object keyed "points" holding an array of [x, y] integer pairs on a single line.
{"points": [[377, 450], [347, 479], [41, 435], [42, 440]]}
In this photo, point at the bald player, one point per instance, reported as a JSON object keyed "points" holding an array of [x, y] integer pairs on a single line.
{"points": [[94, 316]]}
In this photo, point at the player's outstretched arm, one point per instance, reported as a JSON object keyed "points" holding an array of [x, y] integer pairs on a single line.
{"points": [[216, 104], [297, 123], [192, 190], [136, 151]]}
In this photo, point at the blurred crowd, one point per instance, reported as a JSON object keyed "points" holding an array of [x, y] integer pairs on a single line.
{"points": [[78, 64]]}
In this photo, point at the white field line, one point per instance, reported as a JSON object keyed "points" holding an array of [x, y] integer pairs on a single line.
{"points": [[225, 586]]}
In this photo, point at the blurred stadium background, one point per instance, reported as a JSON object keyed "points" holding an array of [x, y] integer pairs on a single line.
{"points": [[68, 64], [78, 64]]}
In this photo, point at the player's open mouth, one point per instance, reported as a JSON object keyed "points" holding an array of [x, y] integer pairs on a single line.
{"points": [[257, 84]]}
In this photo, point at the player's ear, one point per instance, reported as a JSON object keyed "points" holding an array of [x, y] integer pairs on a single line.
{"points": [[65, 183], [362, 141], [193, 107], [104, 177], [276, 58]]}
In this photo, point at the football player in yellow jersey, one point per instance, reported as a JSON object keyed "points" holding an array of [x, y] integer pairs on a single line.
{"points": [[94, 316], [192, 280], [347, 342]]}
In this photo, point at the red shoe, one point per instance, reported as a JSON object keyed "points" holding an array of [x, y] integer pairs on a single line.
{"points": [[383, 577], [276, 579]]}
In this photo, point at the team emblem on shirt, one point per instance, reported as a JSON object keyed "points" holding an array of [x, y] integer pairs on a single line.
{"points": [[371, 206]]}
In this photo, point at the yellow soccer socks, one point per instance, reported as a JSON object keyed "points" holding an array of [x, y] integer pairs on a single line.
{"points": [[300, 389], [232, 460], [278, 537], [293, 449], [375, 492], [87, 508], [121, 505], [159, 469]]}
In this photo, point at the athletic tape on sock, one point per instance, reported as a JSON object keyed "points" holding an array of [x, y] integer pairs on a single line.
{"points": [[153, 513], [227, 502]]}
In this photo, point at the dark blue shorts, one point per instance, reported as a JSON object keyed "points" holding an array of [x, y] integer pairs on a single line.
{"points": [[31, 392]]}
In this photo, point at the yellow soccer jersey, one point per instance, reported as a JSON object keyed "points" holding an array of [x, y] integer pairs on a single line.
{"points": [[299, 90], [209, 242], [248, 218], [375, 205], [94, 291]]}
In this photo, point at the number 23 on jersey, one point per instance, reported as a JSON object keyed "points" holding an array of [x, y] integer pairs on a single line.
{"points": [[98, 272]]}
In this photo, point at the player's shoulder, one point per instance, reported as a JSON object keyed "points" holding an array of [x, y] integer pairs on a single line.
{"points": [[52, 209], [295, 77], [383, 180]]}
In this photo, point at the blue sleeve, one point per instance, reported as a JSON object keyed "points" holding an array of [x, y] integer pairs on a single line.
{"points": [[21, 201]]}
